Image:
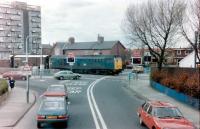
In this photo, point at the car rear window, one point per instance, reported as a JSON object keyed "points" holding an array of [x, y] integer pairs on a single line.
{"points": [[59, 105], [56, 88]]}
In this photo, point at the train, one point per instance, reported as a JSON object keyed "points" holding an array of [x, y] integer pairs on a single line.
{"points": [[90, 64]]}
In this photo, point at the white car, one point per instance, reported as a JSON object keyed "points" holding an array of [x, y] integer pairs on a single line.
{"points": [[138, 69]]}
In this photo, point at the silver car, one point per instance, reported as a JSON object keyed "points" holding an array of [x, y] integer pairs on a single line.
{"points": [[66, 74]]}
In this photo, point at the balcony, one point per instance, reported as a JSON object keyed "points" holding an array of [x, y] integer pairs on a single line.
{"points": [[19, 25], [13, 30], [18, 13], [8, 23], [19, 36], [8, 35], [1, 28], [15, 19]]}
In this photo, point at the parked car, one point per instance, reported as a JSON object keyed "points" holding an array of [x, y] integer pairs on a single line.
{"points": [[66, 74], [17, 75], [56, 90], [138, 69], [162, 115], [52, 110]]}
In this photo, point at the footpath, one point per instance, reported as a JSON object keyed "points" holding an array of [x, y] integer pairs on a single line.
{"points": [[15, 107], [141, 86]]}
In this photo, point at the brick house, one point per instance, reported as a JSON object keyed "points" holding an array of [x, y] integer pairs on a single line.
{"points": [[180, 53], [99, 47], [46, 49], [172, 55], [57, 48]]}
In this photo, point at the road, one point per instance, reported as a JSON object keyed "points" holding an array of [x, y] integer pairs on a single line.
{"points": [[96, 102]]}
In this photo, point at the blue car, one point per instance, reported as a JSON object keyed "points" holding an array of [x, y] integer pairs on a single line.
{"points": [[53, 110]]}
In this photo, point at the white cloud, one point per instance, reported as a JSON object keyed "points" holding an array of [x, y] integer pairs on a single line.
{"points": [[83, 19]]}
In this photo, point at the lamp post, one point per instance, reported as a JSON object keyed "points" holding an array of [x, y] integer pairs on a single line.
{"points": [[27, 76], [41, 66]]}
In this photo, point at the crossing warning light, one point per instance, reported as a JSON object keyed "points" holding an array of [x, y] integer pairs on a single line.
{"points": [[70, 58]]}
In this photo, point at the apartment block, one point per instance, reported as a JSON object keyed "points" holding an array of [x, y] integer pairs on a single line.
{"points": [[17, 21]]}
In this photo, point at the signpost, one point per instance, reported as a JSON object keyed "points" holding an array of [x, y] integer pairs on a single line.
{"points": [[71, 60]]}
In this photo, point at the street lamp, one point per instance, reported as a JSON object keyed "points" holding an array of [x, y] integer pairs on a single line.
{"points": [[27, 76], [41, 66]]}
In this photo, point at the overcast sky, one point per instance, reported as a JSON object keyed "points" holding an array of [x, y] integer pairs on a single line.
{"points": [[82, 19]]}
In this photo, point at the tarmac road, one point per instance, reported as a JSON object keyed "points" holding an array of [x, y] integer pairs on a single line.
{"points": [[96, 102]]}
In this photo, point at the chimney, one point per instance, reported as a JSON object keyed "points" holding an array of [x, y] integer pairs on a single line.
{"points": [[100, 39], [71, 40]]}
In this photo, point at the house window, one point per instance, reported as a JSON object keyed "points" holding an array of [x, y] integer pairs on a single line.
{"points": [[186, 52], [178, 52]]}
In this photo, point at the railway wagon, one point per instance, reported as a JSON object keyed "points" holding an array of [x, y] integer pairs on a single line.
{"points": [[94, 64]]}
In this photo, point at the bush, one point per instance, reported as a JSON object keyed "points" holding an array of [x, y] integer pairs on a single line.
{"points": [[192, 86], [3, 86], [181, 81]]}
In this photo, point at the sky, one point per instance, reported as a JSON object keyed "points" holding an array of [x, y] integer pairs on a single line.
{"points": [[81, 19]]}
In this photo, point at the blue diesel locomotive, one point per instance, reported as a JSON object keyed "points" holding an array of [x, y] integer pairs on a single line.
{"points": [[94, 64]]}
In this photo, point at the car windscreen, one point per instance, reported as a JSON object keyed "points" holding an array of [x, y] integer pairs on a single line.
{"points": [[52, 105], [56, 88], [163, 112]]}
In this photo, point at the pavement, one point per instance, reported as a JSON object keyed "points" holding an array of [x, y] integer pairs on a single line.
{"points": [[142, 87], [15, 107]]}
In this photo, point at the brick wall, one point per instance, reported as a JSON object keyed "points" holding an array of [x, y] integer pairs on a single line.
{"points": [[4, 63]]}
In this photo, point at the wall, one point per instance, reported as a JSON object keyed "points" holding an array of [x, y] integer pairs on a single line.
{"points": [[4, 63]]}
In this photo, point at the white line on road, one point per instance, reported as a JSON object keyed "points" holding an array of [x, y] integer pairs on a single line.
{"points": [[91, 107], [94, 107]]}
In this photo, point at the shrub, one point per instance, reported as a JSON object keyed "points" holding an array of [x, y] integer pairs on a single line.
{"points": [[3, 86], [181, 81], [158, 75], [192, 86]]}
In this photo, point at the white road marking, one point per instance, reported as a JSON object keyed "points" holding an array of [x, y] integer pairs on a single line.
{"points": [[74, 90], [78, 83], [91, 108], [93, 105]]}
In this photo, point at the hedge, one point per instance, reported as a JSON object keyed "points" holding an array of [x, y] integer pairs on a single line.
{"points": [[3, 86], [182, 81]]}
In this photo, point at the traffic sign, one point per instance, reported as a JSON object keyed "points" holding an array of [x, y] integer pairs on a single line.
{"points": [[70, 58]]}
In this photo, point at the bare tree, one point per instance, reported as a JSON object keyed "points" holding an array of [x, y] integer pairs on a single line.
{"points": [[191, 24], [154, 24]]}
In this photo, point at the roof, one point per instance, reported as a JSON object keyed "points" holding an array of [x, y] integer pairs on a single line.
{"points": [[60, 44], [46, 46], [91, 45], [160, 104]]}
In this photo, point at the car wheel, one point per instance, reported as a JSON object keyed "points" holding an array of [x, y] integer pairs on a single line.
{"points": [[39, 125], [61, 78], [141, 122], [23, 78]]}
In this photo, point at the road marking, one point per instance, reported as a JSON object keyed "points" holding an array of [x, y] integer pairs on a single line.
{"points": [[94, 107], [74, 90], [75, 83], [91, 108]]}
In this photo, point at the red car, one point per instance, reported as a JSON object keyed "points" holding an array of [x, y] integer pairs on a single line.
{"points": [[56, 91], [162, 115], [16, 75]]}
